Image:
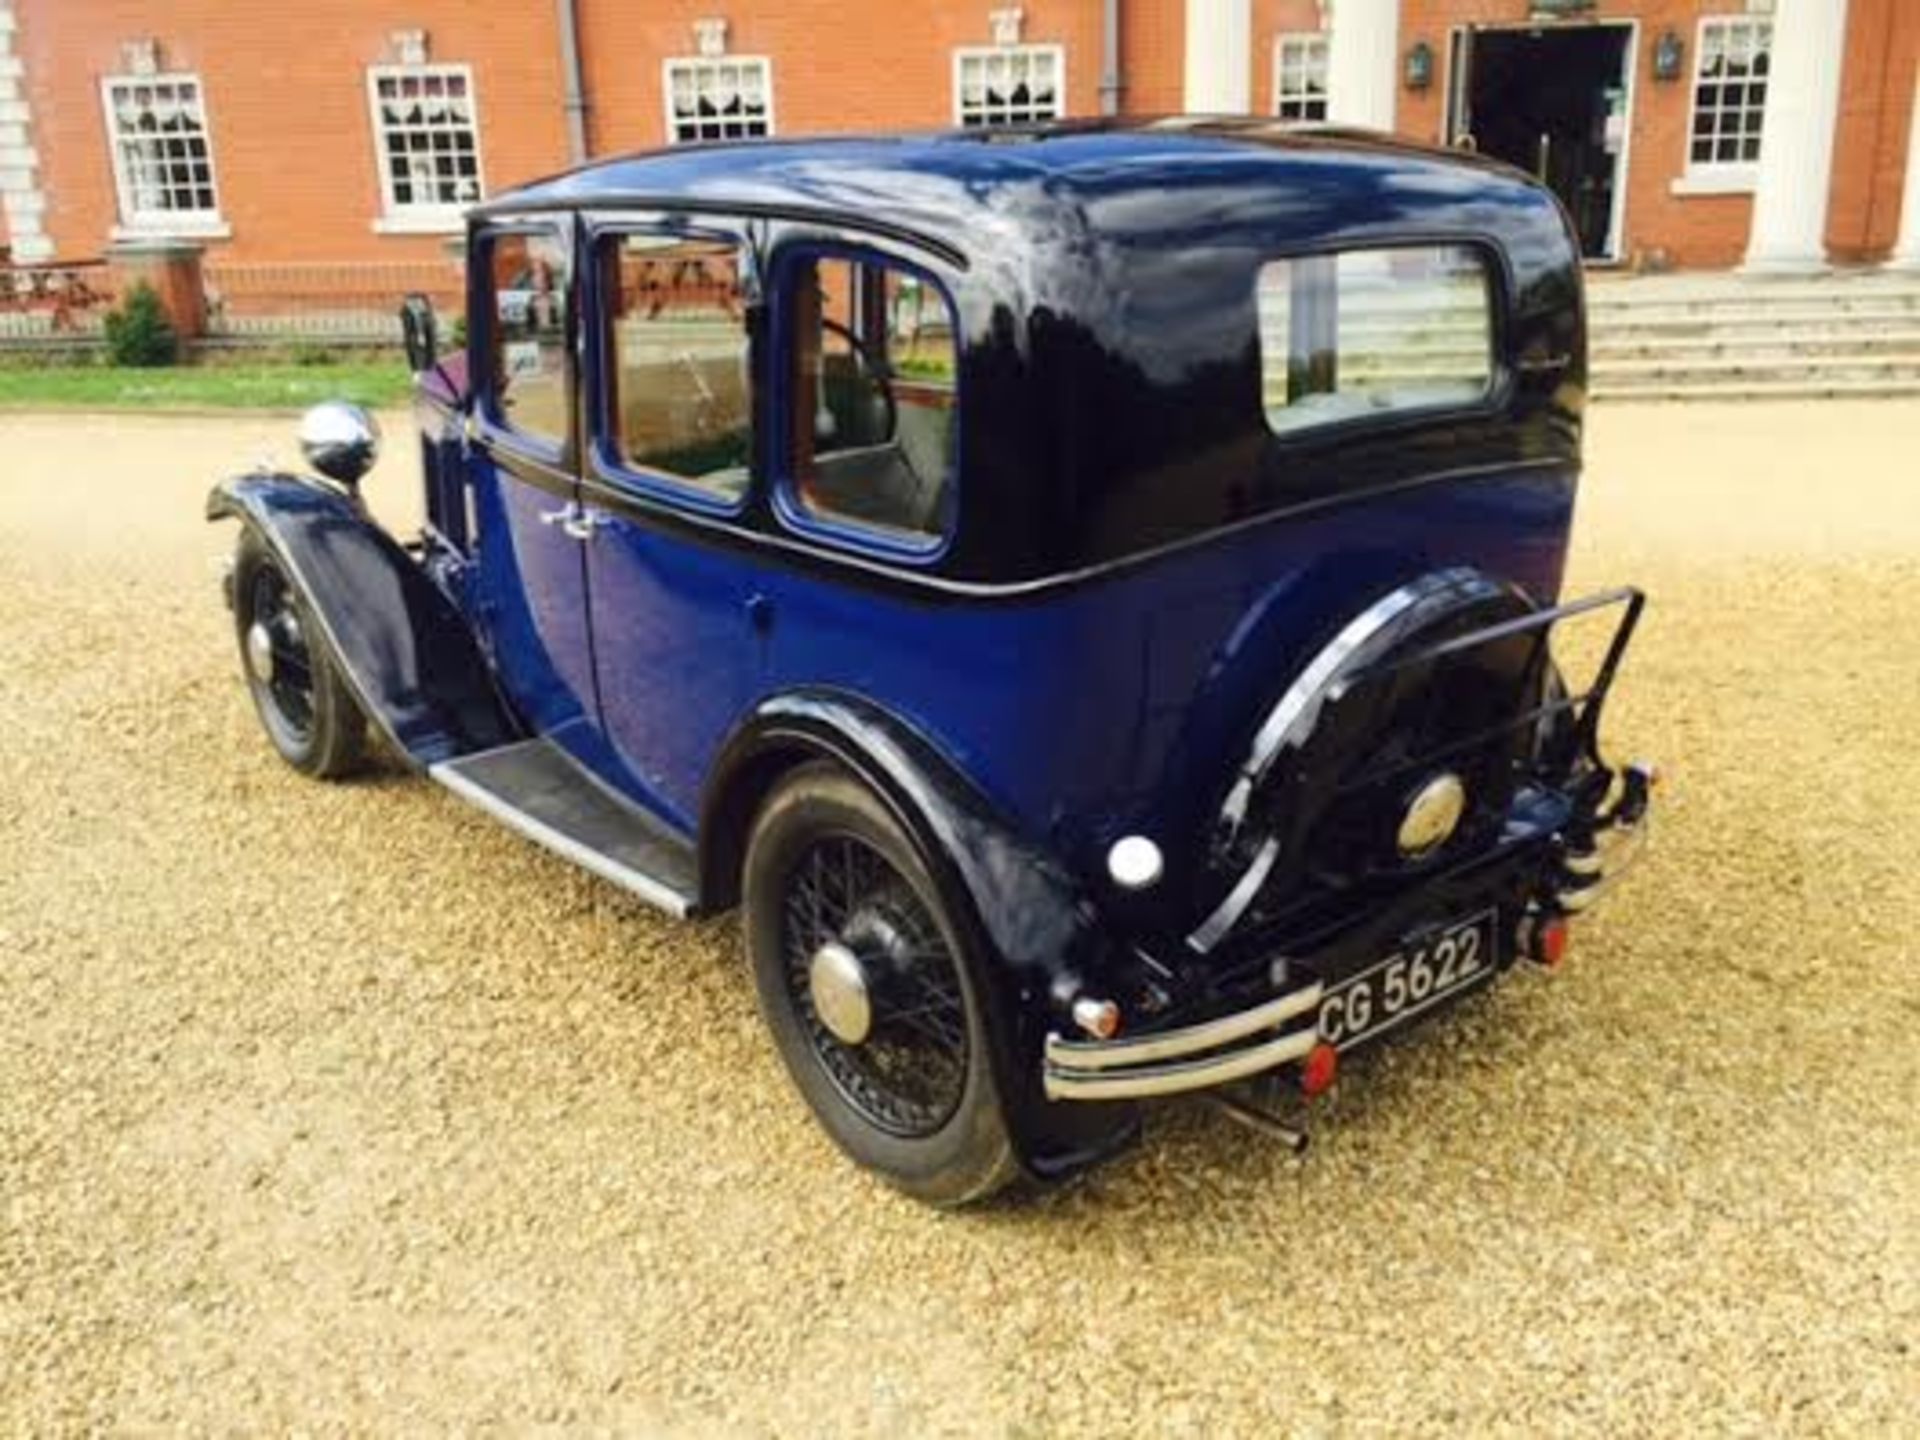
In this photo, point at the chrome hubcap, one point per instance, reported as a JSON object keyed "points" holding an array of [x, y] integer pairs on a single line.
{"points": [[260, 652], [837, 982]]}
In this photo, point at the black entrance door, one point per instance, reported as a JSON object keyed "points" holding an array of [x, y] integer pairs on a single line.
{"points": [[1543, 100]]}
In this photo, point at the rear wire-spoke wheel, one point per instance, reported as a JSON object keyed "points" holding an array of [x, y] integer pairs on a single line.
{"points": [[865, 987], [876, 990], [303, 701]]}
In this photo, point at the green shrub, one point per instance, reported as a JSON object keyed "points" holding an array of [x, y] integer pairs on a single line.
{"points": [[139, 333], [311, 352]]}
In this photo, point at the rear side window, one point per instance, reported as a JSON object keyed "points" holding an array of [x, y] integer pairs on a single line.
{"points": [[681, 390], [1373, 332], [530, 276], [872, 420]]}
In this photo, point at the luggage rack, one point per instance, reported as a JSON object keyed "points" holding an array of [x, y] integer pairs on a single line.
{"points": [[1537, 627]]}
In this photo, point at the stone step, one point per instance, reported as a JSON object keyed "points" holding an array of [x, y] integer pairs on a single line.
{"points": [[1758, 390], [1759, 347], [1881, 310], [1606, 293], [1800, 369]]}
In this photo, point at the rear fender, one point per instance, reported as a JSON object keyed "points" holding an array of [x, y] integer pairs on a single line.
{"points": [[404, 648]]}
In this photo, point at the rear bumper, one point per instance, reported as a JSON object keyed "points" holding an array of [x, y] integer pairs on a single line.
{"points": [[1192, 1057], [1283, 1029], [1587, 875]]}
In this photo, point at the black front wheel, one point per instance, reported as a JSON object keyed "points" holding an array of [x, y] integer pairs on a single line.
{"points": [[864, 984], [304, 704]]}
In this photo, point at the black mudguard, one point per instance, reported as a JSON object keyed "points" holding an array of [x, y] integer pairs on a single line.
{"points": [[1032, 931], [405, 649]]}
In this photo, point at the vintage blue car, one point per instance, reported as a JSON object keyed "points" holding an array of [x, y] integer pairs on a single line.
{"points": [[1088, 594]]}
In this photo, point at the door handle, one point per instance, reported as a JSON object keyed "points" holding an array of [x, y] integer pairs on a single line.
{"points": [[575, 520], [582, 523]]}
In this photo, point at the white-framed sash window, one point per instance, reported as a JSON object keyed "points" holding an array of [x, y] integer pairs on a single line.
{"points": [[1009, 84], [1300, 76], [1732, 60], [426, 140], [163, 170], [719, 98]]}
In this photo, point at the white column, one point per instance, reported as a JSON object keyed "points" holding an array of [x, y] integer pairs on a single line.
{"points": [[1796, 138], [1219, 57], [1906, 250], [1363, 63]]}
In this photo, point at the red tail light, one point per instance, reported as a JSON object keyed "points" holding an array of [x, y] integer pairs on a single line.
{"points": [[1318, 1070], [1550, 942]]}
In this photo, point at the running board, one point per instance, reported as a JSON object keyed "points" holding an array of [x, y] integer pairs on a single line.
{"points": [[535, 788]]}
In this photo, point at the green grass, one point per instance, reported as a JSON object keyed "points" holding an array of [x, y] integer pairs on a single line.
{"points": [[275, 386]]}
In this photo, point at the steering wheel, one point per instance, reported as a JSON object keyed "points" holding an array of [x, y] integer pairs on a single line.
{"points": [[874, 368]]}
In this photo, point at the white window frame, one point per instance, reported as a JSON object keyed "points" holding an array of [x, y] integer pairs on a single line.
{"points": [[1302, 40], [1719, 177], [697, 63], [415, 218], [147, 224], [964, 53]]}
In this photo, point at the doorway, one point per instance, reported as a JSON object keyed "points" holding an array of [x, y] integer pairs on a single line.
{"points": [[1552, 101]]}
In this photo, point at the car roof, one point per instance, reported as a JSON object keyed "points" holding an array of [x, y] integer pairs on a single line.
{"points": [[1041, 178]]}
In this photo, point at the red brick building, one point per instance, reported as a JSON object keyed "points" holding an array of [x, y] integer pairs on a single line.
{"points": [[1779, 134]]}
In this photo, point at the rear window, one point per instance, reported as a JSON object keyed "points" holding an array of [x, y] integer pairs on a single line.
{"points": [[1373, 332]]}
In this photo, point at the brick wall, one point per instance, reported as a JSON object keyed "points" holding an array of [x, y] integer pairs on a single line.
{"points": [[1693, 230], [294, 149], [836, 66], [1153, 56], [1872, 132], [287, 110], [1711, 230]]}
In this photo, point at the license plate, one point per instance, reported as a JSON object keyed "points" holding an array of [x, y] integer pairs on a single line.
{"points": [[1413, 979]]}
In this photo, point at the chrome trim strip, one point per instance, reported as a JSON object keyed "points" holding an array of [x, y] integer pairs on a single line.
{"points": [[1208, 1035], [1227, 913], [1174, 1079], [653, 891]]}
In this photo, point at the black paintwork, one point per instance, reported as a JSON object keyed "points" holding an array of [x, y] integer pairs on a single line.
{"points": [[406, 651], [1103, 276]]}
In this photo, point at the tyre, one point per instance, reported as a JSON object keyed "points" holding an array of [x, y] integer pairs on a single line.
{"points": [[303, 700], [865, 985]]}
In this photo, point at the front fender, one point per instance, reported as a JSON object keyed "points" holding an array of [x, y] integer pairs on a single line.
{"points": [[404, 648], [1031, 930]]}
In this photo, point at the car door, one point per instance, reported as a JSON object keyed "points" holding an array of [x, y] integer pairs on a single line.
{"points": [[677, 632], [523, 453]]}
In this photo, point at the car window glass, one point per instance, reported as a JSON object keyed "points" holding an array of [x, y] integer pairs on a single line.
{"points": [[530, 275], [1371, 332], [872, 417], [681, 391]]}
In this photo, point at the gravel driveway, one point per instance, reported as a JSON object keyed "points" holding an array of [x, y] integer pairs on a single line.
{"points": [[337, 1108]]}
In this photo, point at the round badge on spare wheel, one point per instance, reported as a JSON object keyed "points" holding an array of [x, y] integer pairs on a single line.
{"points": [[1432, 815], [838, 983]]}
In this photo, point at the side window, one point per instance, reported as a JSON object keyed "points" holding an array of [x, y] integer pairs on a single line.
{"points": [[529, 275], [680, 386], [1373, 332], [871, 400]]}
